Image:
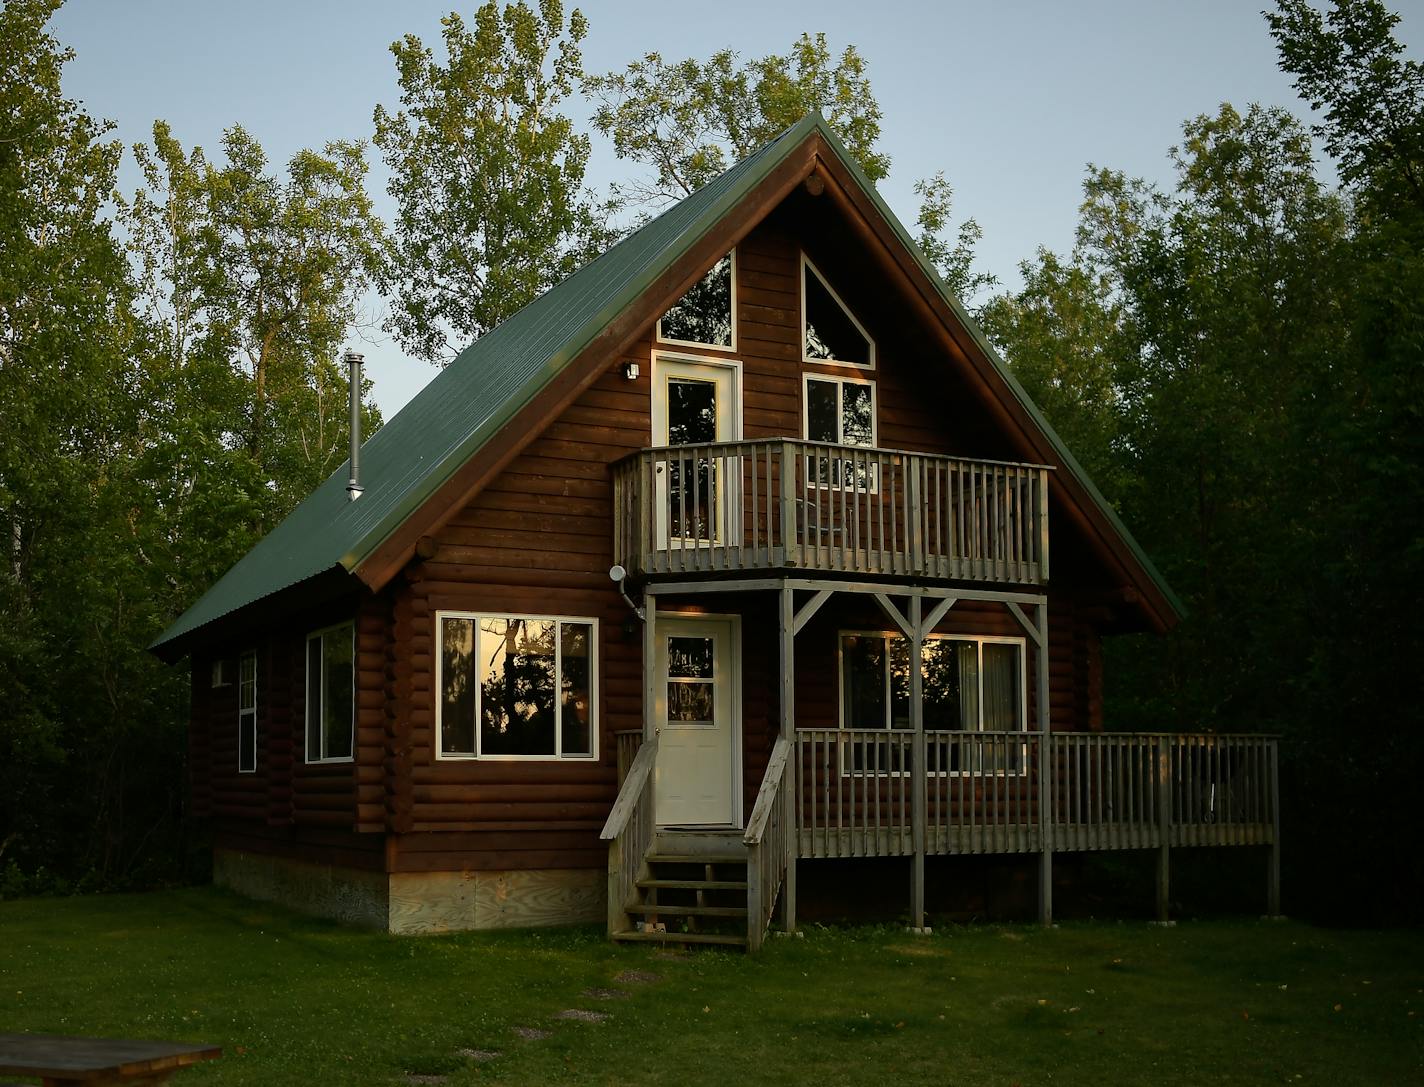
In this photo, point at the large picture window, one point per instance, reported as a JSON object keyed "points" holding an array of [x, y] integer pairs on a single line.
{"points": [[247, 714], [517, 687], [331, 694], [969, 685], [706, 315]]}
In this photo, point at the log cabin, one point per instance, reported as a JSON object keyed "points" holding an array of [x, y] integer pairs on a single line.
{"points": [[726, 557]]}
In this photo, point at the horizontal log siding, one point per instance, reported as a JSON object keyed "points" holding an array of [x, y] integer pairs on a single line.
{"points": [[284, 792], [537, 540]]}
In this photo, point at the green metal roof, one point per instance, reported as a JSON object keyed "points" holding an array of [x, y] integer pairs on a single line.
{"points": [[467, 403]]}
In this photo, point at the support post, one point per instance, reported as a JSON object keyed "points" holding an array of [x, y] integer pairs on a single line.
{"points": [[1045, 767], [1164, 827], [917, 792], [650, 692], [790, 550], [1273, 861], [787, 628]]}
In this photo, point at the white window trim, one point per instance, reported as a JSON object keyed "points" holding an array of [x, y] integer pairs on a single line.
{"points": [[244, 712], [322, 758], [869, 339], [658, 325], [594, 723], [979, 639]]}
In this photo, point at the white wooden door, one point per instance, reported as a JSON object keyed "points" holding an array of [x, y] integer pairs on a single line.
{"points": [[694, 404], [697, 781]]}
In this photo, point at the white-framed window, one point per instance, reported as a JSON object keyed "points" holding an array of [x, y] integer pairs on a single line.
{"points": [[331, 694], [247, 713], [516, 687], [969, 684], [706, 316], [830, 334], [839, 411]]}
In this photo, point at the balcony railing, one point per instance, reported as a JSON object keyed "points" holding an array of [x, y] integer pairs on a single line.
{"points": [[780, 503]]}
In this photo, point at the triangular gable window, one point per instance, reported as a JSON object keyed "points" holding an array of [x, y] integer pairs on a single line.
{"points": [[703, 316], [829, 331]]}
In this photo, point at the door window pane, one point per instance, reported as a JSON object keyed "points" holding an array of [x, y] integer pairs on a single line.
{"points": [[690, 678], [857, 413], [516, 669], [691, 411]]}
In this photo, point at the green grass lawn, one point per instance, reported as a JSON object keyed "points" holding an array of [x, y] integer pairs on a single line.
{"points": [[298, 1001]]}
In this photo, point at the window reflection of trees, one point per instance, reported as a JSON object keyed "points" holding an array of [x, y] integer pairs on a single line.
{"points": [[692, 420], [511, 663], [704, 314], [831, 335]]}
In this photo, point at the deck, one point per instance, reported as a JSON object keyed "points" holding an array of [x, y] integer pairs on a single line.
{"points": [[784, 504], [837, 793]]}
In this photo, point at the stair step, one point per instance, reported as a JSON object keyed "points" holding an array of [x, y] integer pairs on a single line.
{"points": [[681, 938], [689, 911], [695, 884], [693, 858]]}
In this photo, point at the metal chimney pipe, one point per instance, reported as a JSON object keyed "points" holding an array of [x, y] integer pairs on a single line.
{"points": [[354, 360]]}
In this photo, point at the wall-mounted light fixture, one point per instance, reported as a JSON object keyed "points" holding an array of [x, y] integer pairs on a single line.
{"points": [[630, 371]]}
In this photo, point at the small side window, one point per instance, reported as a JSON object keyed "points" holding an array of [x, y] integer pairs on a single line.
{"points": [[331, 694]]}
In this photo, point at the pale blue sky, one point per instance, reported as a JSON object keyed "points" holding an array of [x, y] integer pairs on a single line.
{"points": [[1010, 98]]}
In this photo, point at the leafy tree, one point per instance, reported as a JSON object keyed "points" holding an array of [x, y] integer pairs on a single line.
{"points": [[251, 284], [1062, 334], [82, 710], [1348, 62], [487, 173], [950, 250], [689, 121]]}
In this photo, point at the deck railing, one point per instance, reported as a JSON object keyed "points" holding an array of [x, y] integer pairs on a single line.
{"points": [[782, 503], [1109, 790]]}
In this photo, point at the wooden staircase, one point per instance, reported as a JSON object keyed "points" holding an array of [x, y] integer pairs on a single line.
{"points": [[692, 890]]}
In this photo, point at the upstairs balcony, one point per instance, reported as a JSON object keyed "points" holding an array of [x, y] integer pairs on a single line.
{"points": [[782, 504]]}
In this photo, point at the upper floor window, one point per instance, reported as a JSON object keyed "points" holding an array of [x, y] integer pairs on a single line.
{"points": [[331, 694], [839, 410], [517, 687], [247, 713], [705, 315], [829, 331]]}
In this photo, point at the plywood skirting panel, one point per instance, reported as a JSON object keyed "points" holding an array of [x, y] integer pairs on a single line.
{"points": [[428, 902]]}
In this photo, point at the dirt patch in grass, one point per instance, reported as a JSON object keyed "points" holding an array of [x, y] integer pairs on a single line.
{"points": [[531, 1034], [581, 1015], [479, 1056], [607, 994], [637, 977]]}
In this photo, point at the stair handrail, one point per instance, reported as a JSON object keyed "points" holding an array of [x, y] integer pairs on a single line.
{"points": [[631, 790], [766, 844], [769, 792]]}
